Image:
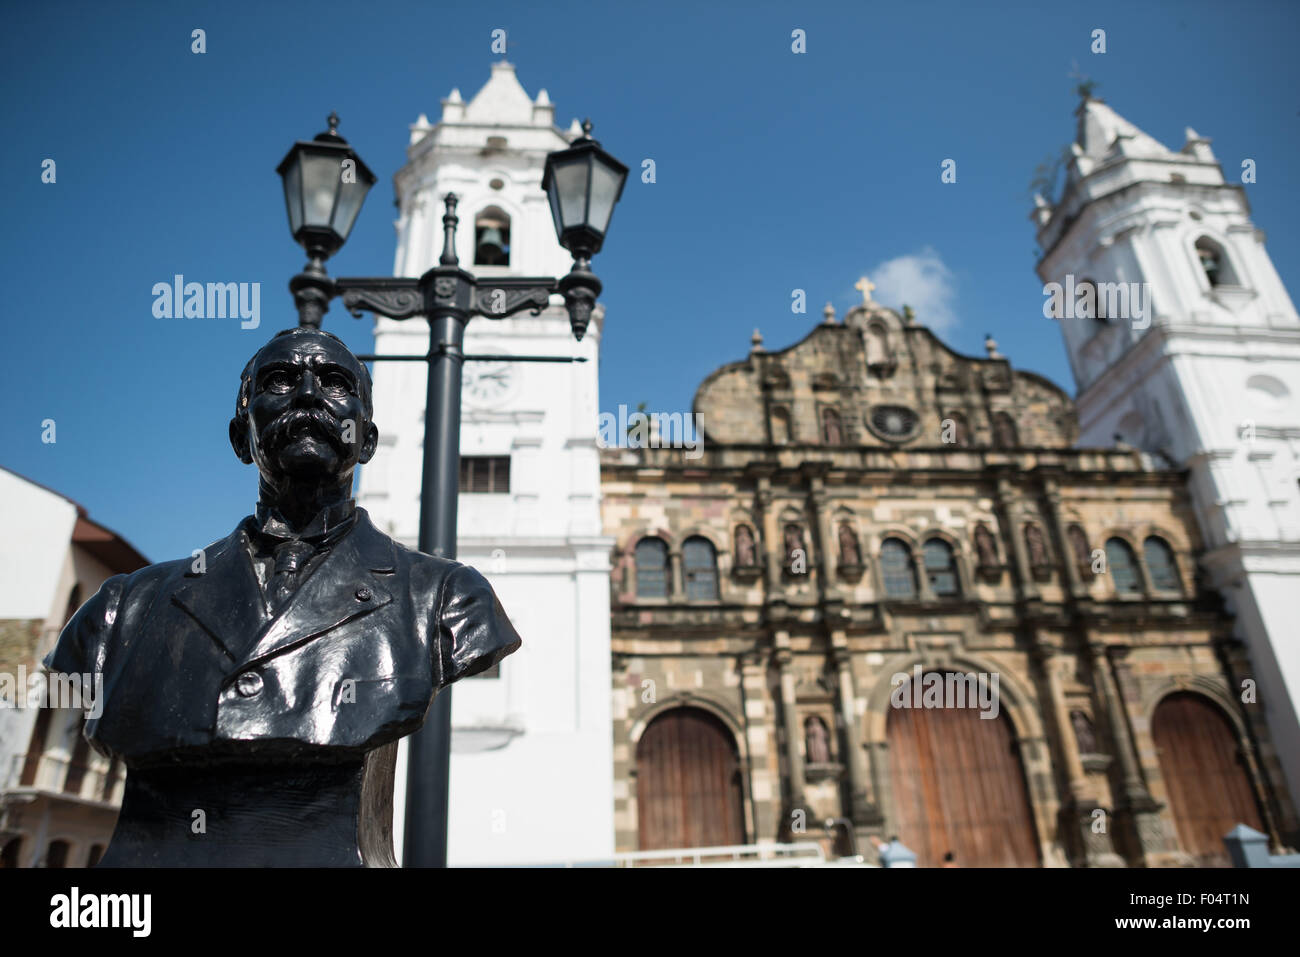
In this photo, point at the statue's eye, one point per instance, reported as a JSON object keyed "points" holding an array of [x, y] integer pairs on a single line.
{"points": [[336, 382], [277, 381]]}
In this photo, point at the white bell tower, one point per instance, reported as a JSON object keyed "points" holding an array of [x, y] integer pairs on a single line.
{"points": [[1195, 359], [532, 748]]}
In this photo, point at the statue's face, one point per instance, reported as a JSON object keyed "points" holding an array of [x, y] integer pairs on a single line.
{"points": [[306, 419]]}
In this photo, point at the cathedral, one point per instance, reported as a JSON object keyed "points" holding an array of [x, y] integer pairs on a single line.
{"points": [[874, 511], [909, 593]]}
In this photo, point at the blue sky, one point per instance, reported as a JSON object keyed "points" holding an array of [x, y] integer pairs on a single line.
{"points": [[775, 171]]}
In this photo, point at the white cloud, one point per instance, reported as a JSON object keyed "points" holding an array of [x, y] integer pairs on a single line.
{"points": [[921, 281]]}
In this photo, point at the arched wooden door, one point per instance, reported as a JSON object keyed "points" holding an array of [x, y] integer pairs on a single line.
{"points": [[1208, 786], [959, 787], [688, 783]]}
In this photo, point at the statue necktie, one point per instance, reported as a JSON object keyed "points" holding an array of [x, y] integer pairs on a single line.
{"points": [[290, 556]]}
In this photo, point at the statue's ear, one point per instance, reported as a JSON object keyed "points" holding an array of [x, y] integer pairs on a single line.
{"points": [[239, 439], [370, 443]]}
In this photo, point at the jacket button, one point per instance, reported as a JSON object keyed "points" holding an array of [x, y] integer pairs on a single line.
{"points": [[248, 684], [363, 593]]}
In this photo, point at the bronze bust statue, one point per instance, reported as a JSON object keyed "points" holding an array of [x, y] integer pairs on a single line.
{"points": [[256, 691]]}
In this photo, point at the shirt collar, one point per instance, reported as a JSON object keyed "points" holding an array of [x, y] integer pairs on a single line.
{"points": [[329, 520]]}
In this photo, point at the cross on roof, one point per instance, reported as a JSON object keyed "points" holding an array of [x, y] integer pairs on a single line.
{"points": [[865, 285]]}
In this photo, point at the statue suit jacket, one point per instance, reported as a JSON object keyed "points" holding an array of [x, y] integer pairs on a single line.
{"points": [[194, 666]]}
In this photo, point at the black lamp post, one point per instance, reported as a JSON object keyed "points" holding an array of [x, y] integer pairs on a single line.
{"points": [[325, 183]]}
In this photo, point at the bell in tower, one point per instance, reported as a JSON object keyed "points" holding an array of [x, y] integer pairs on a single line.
{"points": [[492, 238]]}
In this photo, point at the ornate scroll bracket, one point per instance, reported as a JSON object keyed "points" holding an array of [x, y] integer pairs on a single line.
{"points": [[505, 296], [395, 298]]}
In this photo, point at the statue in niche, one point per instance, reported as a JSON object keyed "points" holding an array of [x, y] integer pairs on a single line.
{"points": [[1036, 546], [746, 553], [267, 679], [850, 554], [1084, 735], [985, 547], [832, 430], [817, 741], [796, 556]]}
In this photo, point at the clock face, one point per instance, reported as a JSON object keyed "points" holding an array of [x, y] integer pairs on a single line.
{"points": [[487, 383]]}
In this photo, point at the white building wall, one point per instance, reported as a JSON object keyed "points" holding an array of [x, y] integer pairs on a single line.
{"points": [[532, 761]]}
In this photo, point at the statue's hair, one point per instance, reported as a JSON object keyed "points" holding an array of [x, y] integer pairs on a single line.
{"points": [[246, 377]]}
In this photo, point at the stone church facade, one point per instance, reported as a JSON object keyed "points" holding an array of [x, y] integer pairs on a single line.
{"points": [[874, 516]]}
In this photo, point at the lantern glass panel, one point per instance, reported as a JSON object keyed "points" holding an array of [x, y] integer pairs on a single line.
{"points": [[351, 196], [320, 185], [570, 185], [293, 196], [605, 184]]}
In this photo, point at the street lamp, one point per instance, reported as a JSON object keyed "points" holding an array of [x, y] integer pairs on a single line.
{"points": [[582, 183], [325, 183]]}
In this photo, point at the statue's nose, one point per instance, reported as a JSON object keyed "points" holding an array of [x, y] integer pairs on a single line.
{"points": [[308, 390]]}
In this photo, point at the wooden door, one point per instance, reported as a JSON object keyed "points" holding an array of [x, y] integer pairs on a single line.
{"points": [[688, 783], [959, 787], [1205, 778]]}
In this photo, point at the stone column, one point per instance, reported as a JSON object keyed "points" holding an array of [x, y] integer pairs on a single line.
{"points": [[1098, 848], [782, 658], [764, 799], [1135, 799], [1050, 662], [1053, 495], [821, 520], [678, 586], [1025, 586], [861, 808]]}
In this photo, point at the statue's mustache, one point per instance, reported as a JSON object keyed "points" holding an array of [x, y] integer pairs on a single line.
{"points": [[281, 429]]}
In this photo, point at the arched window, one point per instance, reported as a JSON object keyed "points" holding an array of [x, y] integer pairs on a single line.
{"points": [[956, 431], [832, 428], [96, 852], [700, 568], [896, 570], [1161, 565], [1214, 263], [1004, 431], [492, 238], [1123, 567], [651, 568], [941, 568], [816, 741]]}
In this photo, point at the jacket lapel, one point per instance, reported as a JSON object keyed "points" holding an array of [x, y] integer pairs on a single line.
{"points": [[353, 580], [225, 599]]}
